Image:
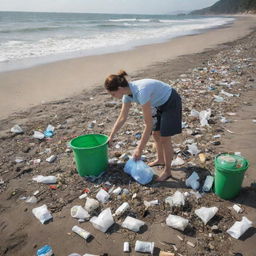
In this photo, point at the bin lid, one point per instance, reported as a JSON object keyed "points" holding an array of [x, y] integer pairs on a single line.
{"points": [[230, 162]]}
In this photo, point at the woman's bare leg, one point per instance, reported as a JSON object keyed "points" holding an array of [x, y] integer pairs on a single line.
{"points": [[166, 143], [159, 149]]}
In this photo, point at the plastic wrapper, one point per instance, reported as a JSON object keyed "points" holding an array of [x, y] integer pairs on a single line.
{"points": [[45, 179], [176, 222], [147, 247], [91, 204], [132, 224], [102, 196], [206, 213], [239, 228], [178, 199], [42, 213]]}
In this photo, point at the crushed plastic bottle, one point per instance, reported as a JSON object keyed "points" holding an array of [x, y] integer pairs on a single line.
{"points": [[46, 250]]}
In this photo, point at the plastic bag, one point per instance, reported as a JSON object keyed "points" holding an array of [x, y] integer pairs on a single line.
{"points": [[140, 171], [178, 199], [42, 213], [176, 222], [192, 181], [132, 224], [205, 213], [45, 179], [239, 228]]}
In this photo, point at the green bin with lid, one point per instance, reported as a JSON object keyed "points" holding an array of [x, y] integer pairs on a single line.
{"points": [[229, 174], [90, 153]]}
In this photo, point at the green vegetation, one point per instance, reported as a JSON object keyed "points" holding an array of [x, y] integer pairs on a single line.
{"points": [[229, 7]]}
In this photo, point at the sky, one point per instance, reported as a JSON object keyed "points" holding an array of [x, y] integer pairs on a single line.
{"points": [[105, 6]]}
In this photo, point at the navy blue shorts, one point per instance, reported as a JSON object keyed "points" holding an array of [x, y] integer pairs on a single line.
{"points": [[168, 117]]}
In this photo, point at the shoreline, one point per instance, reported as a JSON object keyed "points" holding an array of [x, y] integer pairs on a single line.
{"points": [[67, 78]]}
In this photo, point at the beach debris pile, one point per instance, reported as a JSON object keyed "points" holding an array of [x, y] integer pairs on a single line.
{"points": [[38, 171]]}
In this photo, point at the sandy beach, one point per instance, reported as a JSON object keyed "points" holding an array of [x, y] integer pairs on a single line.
{"points": [[69, 95], [29, 87]]}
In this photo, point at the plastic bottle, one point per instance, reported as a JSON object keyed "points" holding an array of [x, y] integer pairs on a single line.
{"points": [[46, 250], [81, 232], [122, 208], [208, 183], [126, 247]]}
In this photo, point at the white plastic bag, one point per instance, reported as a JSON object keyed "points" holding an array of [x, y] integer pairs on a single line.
{"points": [[45, 179], [104, 220], [176, 222], [79, 212], [102, 196], [239, 228], [91, 204], [178, 199], [140, 171], [141, 246], [42, 213], [206, 213], [132, 224]]}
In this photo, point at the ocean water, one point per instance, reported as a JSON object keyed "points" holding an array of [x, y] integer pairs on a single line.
{"points": [[28, 38]]}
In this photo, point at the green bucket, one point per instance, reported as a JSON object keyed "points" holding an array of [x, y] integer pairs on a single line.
{"points": [[91, 154], [229, 174]]}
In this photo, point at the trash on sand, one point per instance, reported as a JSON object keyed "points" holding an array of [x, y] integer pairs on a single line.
{"points": [[104, 220], [91, 204], [139, 170], [79, 212], [49, 132], [16, 129], [192, 181], [81, 232], [122, 208], [208, 183], [202, 158], [176, 222], [141, 246], [46, 250], [239, 228], [38, 135], [177, 199], [126, 247], [237, 208], [42, 213], [51, 159], [102, 196], [177, 161], [132, 224], [151, 203], [31, 200], [117, 191], [193, 149], [45, 179], [206, 213], [204, 117]]}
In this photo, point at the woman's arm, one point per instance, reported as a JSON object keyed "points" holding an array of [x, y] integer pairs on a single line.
{"points": [[120, 120], [147, 114]]}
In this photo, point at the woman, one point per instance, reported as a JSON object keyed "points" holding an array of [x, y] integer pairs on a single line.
{"points": [[161, 106]]}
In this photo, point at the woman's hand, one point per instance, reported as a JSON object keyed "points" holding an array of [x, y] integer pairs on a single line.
{"points": [[137, 154]]}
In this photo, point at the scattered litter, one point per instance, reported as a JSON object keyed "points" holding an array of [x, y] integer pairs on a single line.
{"points": [[126, 247], [51, 159], [191, 244], [132, 224], [104, 220], [177, 222], [177, 199], [31, 200], [141, 246], [121, 209], [45, 179], [46, 250], [208, 183], [239, 228], [16, 129], [177, 161], [42, 213], [91, 204], [79, 212], [237, 208], [192, 181], [102, 196], [38, 135], [206, 213], [81, 232]]}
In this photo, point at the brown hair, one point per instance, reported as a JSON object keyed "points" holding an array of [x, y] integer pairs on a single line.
{"points": [[113, 82]]}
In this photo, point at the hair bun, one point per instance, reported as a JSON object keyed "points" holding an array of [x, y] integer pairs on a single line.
{"points": [[122, 73]]}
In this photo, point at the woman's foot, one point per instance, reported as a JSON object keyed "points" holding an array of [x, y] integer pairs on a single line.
{"points": [[156, 163], [164, 176]]}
